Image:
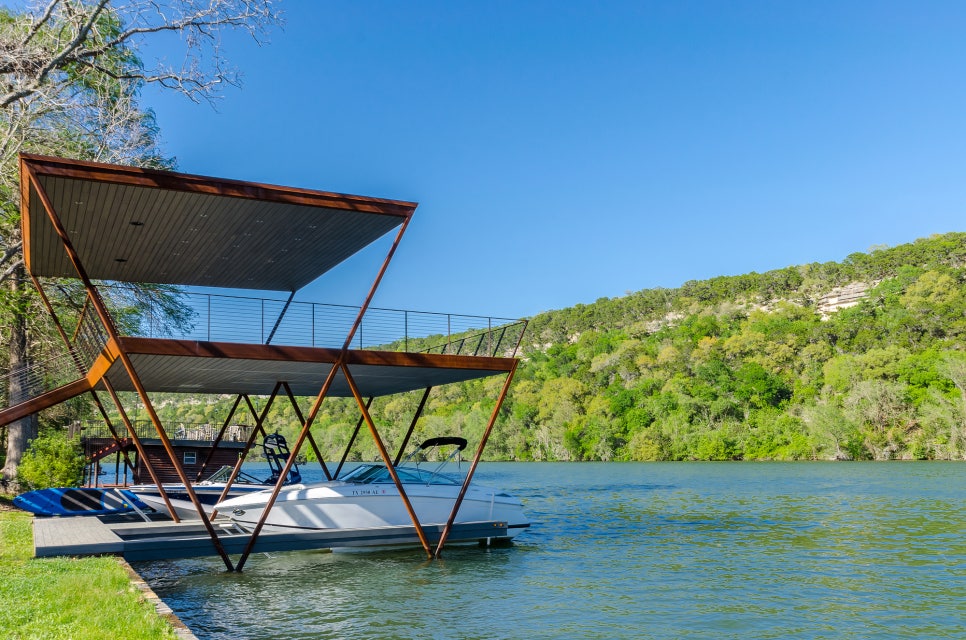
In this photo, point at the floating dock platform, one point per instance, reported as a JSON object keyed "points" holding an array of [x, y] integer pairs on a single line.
{"points": [[165, 539]]}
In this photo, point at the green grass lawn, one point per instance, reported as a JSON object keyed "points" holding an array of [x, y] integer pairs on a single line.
{"points": [[67, 598]]}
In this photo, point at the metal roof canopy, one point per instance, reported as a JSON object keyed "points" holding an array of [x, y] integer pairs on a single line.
{"points": [[138, 225]]}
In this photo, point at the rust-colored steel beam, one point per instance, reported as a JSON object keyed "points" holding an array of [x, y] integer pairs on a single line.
{"points": [[112, 333], [385, 457], [260, 417], [375, 284], [258, 428], [259, 352], [412, 427], [305, 432], [313, 412], [221, 434], [80, 318], [476, 460], [140, 448], [188, 183], [311, 438], [68, 342], [43, 401], [251, 407], [114, 434], [77, 363], [523, 331], [25, 239], [352, 439], [281, 315]]}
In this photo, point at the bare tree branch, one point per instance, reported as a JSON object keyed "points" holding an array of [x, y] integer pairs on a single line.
{"points": [[40, 22], [75, 35], [10, 251], [9, 271]]}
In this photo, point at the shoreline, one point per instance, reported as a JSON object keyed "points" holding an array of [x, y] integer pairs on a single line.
{"points": [[165, 612], [152, 617]]}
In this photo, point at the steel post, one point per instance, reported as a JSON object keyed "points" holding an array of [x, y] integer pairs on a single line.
{"points": [[412, 427], [291, 460], [476, 461], [385, 458]]}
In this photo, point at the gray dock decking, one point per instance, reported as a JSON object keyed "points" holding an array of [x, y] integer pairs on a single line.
{"points": [[137, 541], [74, 536]]}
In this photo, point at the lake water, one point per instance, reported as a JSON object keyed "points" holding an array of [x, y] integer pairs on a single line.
{"points": [[625, 550]]}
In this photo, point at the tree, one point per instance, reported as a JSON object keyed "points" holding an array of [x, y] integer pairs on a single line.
{"points": [[955, 368], [52, 461], [72, 78], [879, 406]]}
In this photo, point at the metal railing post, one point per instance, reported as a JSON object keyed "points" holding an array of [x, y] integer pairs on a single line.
{"points": [[489, 333]]}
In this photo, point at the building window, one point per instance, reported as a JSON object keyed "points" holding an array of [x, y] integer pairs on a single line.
{"points": [[190, 457]]}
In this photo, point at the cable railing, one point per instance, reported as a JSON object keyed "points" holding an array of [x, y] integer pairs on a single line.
{"points": [[222, 318], [88, 340], [36, 378]]}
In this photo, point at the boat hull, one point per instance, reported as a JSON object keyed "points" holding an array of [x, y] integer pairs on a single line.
{"points": [[208, 495], [336, 505]]}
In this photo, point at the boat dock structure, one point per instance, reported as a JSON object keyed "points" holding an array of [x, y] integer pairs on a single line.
{"points": [[162, 540], [108, 230]]}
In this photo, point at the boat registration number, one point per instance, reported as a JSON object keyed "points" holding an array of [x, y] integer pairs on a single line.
{"points": [[368, 492]]}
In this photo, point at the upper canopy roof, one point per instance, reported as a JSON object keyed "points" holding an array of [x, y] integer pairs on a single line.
{"points": [[139, 225]]}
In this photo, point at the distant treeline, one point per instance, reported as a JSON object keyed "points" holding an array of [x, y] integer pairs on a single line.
{"points": [[730, 368]]}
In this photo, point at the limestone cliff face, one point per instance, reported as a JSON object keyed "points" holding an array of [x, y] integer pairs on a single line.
{"points": [[843, 297]]}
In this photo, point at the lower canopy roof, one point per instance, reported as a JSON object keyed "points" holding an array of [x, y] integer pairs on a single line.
{"points": [[181, 366]]}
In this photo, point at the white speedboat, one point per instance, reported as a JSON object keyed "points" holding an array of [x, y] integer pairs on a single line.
{"points": [[209, 490], [366, 497]]}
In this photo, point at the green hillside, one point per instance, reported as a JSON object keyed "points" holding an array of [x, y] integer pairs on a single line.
{"points": [[732, 368], [745, 367]]}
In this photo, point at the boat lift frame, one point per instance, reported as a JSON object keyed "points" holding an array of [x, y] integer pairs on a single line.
{"points": [[363, 220]]}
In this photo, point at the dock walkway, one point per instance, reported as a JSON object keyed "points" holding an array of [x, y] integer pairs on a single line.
{"points": [[138, 540], [74, 536]]}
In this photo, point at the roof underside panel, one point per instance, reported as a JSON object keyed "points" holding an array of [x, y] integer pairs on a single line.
{"points": [[200, 375], [142, 232]]}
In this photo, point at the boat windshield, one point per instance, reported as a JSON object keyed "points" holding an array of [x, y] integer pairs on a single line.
{"points": [[379, 474], [224, 474]]}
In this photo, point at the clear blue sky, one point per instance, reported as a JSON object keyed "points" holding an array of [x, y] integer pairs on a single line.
{"points": [[567, 151]]}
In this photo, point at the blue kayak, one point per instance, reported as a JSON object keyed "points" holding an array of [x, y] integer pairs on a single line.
{"points": [[74, 501]]}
